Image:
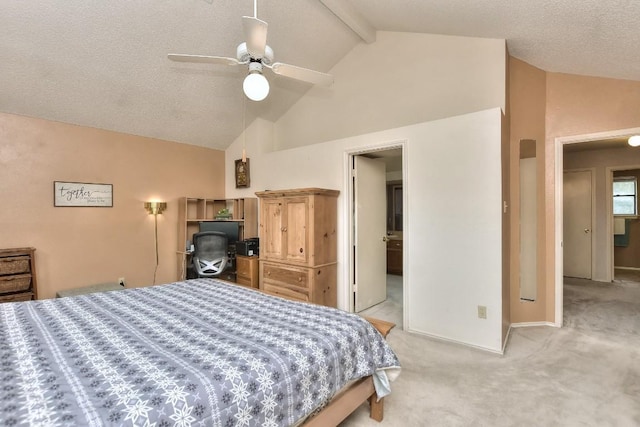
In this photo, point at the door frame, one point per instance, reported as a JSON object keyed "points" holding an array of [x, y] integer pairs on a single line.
{"points": [[348, 219], [559, 214], [593, 213], [609, 170]]}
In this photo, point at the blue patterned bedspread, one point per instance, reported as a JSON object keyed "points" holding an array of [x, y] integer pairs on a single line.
{"points": [[194, 353]]}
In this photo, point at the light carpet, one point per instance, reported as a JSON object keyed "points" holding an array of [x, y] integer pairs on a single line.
{"points": [[584, 374]]}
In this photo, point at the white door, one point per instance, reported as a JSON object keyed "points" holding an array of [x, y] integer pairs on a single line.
{"points": [[577, 224], [370, 230]]}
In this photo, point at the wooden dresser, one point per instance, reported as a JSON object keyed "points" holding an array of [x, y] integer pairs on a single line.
{"points": [[17, 275], [298, 244], [394, 256]]}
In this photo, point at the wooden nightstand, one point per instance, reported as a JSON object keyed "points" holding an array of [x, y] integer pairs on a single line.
{"points": [[247, 271]]}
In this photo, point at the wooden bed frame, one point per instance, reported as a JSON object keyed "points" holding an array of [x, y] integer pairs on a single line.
{"points": [[348, 400]]}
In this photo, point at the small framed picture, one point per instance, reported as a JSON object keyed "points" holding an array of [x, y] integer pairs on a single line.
{"points": [[242, 174]]}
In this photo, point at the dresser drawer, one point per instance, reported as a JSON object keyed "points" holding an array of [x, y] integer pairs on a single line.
{"points": [[15, 283], [15, 265], [244, 281], [243, 274], [285, 291], [289, 275], [24, 296], [247, 270], [394, 244]]}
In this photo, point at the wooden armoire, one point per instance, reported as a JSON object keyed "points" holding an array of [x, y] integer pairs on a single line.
{"points": [[298, 244]]}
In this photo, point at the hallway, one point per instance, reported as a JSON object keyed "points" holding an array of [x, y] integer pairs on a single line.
{"points": [[390, 309]]}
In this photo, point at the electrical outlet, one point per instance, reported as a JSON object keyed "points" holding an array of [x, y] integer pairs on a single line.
{"points": [[121, 281], [482, 312]]}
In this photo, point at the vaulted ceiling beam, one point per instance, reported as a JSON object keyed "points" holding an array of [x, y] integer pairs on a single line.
{"points": [[347, 14]]}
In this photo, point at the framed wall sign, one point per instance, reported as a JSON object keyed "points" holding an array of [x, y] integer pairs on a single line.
{"points": [[82, 194], [242, 174]]}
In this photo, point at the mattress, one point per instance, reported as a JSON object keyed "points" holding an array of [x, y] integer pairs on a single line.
{"points": [[197, 352]]}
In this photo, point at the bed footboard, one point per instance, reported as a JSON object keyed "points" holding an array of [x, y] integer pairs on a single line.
{"points": [[347, 402], [350, 399]]}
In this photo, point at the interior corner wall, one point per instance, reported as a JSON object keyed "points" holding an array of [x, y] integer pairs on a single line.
{"points": [[80, 246], [580, 105], [454, 195], [527, 96], [400, 79]]}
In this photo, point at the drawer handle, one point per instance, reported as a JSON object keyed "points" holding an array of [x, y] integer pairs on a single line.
{"points": [[284, 229], [299, 279]]}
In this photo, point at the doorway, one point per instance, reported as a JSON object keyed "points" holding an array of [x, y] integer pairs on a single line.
{"points": [[377, 232], [623, 183], [594, 141]]}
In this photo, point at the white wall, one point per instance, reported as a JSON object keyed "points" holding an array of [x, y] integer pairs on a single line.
{"points": [[443, 96], [400, 79], [453, 237]]}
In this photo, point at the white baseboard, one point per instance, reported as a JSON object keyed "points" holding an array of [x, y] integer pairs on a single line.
{"points": [[529, 324], [452, 341], [627, 268], [506, 339]]}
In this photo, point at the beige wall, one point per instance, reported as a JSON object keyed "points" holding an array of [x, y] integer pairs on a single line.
{"points": [[580, 105], [545, 106], [80, 246], [400, 79], [527, 86]]}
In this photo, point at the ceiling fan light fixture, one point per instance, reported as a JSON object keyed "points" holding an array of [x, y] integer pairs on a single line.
{"points": [[634, 141], [255, 85]]}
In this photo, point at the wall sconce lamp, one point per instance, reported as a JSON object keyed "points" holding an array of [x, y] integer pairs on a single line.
{"points": [[155, 208]]}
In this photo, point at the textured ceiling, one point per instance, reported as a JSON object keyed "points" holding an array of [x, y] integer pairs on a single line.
{"points": [[103, 63]]}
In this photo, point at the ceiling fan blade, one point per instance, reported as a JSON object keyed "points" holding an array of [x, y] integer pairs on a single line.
{"points": [[203, 59], [255, 34], [303, 74]]}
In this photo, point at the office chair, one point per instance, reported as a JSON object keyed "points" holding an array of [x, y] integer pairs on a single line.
{"points": [[210, 253]]}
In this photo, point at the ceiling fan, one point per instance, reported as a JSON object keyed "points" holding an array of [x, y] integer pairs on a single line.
{"points": [[257, 55]]}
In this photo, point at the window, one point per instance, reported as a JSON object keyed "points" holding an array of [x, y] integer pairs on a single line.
{"points": [[624, 196]]}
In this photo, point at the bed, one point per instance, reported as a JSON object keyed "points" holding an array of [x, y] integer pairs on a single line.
{"points": [[197, 352]]}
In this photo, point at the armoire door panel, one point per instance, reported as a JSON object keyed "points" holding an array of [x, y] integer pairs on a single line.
{"points": [[271, 246], [297, 230]]}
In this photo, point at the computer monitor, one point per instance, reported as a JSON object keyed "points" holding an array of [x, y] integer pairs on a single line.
{"points": [[230, 228]]}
